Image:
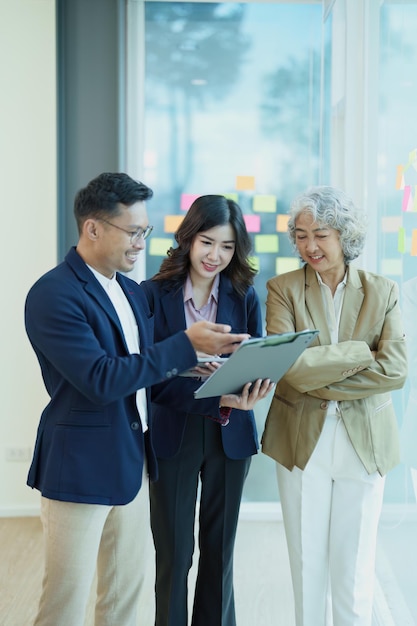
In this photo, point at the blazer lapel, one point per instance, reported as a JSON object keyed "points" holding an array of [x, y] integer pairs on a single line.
{"points": [[172, 304], [352, 304], [314, 305], [227, 302]]}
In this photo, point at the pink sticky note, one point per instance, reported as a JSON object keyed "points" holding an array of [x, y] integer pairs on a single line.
{"points": [[406, 197], [187, 199], [253, 223]]}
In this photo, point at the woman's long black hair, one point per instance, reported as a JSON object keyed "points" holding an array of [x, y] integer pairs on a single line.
{"points": [[205, 213]]}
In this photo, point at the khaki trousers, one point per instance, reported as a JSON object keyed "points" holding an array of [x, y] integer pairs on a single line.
{"points": [[80, 538]]}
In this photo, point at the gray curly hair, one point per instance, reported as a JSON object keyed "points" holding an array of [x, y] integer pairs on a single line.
{"points": [[333, 208]]}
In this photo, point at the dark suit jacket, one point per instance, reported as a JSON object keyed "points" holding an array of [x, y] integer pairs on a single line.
{"points": [[173, 400], [90, 446]]}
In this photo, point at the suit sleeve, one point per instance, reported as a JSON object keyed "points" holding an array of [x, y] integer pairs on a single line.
{"points": [[75, 341], [346, 370]]}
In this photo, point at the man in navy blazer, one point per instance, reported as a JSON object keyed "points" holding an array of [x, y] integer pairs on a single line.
{"points": [[92, 332]]}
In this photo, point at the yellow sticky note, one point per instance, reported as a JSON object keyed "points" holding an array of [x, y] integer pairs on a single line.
{"points": [[392, 267], [159, 246], [401, 240], [285, 264], [264, 204], [399, 182], [254, 262], [245, 183], [266, 243], [282, 223], [391, 224], [413, 250], [171, 223]]}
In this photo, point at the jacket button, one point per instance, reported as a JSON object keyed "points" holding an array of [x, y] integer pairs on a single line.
{"points": [[174, 372], [324, 405], [134, 425]]}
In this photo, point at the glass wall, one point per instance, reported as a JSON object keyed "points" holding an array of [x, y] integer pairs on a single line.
{"points": [[232, 106], [260, 100]]}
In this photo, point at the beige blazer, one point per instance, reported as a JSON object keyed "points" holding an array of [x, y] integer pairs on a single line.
{"points": [[347, 372]]}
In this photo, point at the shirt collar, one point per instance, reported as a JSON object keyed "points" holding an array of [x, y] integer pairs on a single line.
{"points": [[214, 293], [104, 281], [342, 282]]}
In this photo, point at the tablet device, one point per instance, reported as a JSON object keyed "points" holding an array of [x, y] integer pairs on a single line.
{"points": [[258, 357]]}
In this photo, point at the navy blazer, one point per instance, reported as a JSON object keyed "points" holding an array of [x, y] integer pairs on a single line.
{"points": [[173, 400], [90, 446]]}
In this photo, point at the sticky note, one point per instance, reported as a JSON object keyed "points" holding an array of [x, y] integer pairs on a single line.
{"points": [[413, 250], [415, 198], [187, 199], [391, 224], [158, 246], [282, 223], [254, 262], [266, 243], [264, 204], [401, 240], [231, 196], [392, 267], [399, 182], [171, 223], [412, 158], [253, 223], [406, 198], [245, 183], [285, 264]]}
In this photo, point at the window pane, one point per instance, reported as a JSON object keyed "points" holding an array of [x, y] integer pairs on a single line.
{"points": [[233, 107]]}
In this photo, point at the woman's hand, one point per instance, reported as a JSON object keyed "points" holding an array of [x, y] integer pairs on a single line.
{"points": [[251, 394]]}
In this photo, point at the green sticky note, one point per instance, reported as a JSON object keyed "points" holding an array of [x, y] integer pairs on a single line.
{"points": [[158, 246], [285, 264], [254, 262], [266, 243], [264, 204], [401, 240]]}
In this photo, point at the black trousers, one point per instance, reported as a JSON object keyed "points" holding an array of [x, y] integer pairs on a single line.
{"points": [[173, 503]]}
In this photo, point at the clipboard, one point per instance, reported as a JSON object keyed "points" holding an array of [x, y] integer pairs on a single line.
{"points": [[258, 357]]}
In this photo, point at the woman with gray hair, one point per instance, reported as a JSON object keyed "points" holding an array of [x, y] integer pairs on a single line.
{"points": [[331, 426]]}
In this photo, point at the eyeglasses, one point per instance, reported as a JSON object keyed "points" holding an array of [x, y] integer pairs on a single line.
{"points": [[135, 235]]}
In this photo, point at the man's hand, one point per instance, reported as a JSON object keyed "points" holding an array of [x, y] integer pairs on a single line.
{"points": [[214, 338], [247, 399]]}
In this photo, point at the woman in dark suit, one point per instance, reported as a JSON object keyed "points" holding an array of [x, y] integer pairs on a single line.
{"points": [[207, 276]]}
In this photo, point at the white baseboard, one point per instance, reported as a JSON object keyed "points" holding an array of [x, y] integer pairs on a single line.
{"points": [[257, 512], [24, 511]]}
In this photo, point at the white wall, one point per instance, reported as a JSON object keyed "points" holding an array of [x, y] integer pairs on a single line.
{"points": [[27, 223]]}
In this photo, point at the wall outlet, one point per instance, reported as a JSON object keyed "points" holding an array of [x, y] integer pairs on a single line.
{"points": [[18, 453]]}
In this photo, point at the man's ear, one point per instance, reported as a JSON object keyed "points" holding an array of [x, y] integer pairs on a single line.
{"points": [[90, 229]]}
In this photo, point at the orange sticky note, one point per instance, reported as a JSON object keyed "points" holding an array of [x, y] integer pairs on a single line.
{"points": [[413, 250], [245, 183], [171, 223], [282, 223], [399, 182]]}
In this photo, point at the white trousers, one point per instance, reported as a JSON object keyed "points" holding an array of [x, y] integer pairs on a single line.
{"points": [[331, 512], [79, 538]]}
